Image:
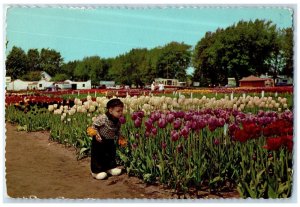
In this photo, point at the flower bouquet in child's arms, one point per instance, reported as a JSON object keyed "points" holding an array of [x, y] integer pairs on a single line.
{"points": [[122, 141], [91, 131]]}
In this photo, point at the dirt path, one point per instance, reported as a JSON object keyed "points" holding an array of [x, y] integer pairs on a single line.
{"points": [[38, 168]]}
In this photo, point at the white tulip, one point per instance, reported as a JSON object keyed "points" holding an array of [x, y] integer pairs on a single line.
{"points": [[50, 108]]}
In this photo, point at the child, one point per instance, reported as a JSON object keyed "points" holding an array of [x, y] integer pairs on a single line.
{"points": [[103, 150]]}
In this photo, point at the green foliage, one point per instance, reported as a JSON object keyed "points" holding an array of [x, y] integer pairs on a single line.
{"points": [[240, 50], [60, 77], [288, 51], [50, 61], [174, 60], [33, 57], [16, 63], [90, 68], [128, 68], [69, 68], [19, 64], [141, 66], [32, 76]]}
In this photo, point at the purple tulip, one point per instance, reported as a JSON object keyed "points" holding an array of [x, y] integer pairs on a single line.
{"points": [[134, 116], [138, 122], [216, 142], [137, 135], [201, 123], [235, 113], [221, 122], [194, 125], [232, 128], [179, 114], [261, 113], [188, 124], [154, 131], [174, 135], [147, 134], [164, 145], [122, 120], [140, 114], [188, 116], [162, 123], [177, 124], [155, 116], [170, 118], [134, 145], [185, 132], [149, 123], [179, 148]]}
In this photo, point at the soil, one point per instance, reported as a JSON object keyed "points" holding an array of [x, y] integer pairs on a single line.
{"points": [[39, 168]]}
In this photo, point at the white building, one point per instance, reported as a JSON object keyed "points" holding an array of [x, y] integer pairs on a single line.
{"points": [[45, 76], [63, 85], [18, 85], [7, 81], [167, 82], [80, 84], [43, 84]]}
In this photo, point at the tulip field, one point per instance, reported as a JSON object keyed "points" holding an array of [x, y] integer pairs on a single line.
{"points": [[186, 140]]}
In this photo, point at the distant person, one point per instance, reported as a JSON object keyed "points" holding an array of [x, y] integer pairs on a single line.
{"points": [[103, 149], [161, 87], [153, 86]]}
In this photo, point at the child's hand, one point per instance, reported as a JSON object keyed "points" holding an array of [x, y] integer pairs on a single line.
{"points": [[98, 138]]}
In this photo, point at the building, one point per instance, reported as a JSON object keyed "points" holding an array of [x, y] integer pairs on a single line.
{"points": [[108, 84], [18, 85], [252, 81], [7, 81], [64, 85], [43, 84], [283, 80], [80, 84], [231, 82], [45, 76], [167, 82]]}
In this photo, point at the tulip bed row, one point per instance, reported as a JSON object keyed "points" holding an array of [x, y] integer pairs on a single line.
{"points": [[214, 149], [281, 89]]}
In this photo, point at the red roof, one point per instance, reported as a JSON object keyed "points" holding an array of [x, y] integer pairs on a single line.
{"points": [[252, 78]]}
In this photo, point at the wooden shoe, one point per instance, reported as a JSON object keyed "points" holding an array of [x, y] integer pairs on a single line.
{"points": [[115, 171], [99, 176]]}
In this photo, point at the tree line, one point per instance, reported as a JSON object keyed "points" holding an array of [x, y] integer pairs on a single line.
{"points": [[253, 47]]}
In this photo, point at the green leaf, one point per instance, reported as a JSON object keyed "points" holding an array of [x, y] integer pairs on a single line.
{"points": [[258, 176], [271, 192], [83, 150], [123, 157], [216, 179], [147, 177], [251, 192]]}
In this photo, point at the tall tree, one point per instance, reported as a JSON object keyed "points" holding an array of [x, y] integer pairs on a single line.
{"points": [[288, 51], [128, 68], [16, 63], [237, 51], [33, 57], [174, 61], [50, 61], [69, 68], [90, 68]]}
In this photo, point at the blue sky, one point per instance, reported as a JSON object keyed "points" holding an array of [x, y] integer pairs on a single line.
{"points": [[108, 32]]}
